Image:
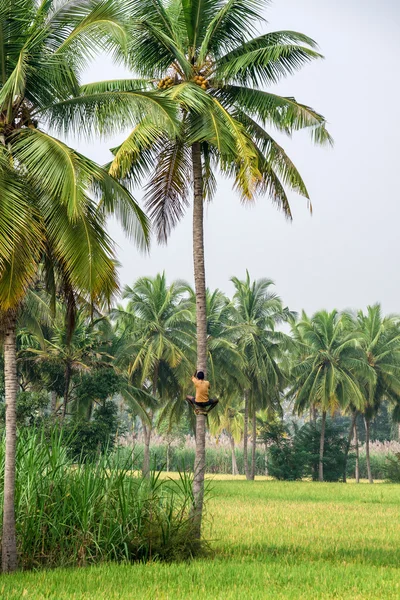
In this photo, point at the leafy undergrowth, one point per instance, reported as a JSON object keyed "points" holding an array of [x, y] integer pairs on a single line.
{"points": [[271, 540], [81, 514]]}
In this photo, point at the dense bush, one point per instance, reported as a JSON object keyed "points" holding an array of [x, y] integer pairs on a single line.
{"points": [[392, 468], [70, 514], [284, 463], [30, 407], [298, 456], [86, 440]]}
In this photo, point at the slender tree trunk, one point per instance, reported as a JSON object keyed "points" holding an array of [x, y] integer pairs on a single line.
{"points": [[314, 414], [147, 429], [357, 453], [265, 459], [234, 462], [168, 448], [347, 449], [9, 543], [53, 402], [245, 434], [321, 447], [201, 322], [253, 446], [367, 457], [68, 373], [146, 453]]}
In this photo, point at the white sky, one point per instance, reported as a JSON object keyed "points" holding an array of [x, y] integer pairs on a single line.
{"points": [[346, 255]]}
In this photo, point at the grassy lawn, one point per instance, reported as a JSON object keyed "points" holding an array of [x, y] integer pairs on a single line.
{"points": [[270, 540]]}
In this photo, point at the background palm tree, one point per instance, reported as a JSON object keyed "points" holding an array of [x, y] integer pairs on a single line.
{"points": [[85, 348], [157, 333], [329, 369], [256, 313], [380, 341], [200, 56]]}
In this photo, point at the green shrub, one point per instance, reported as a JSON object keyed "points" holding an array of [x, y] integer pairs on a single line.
{"points": [[307, 442], [86, 440], [392, 468], [77, 514], [283, 462], [298, 456]]}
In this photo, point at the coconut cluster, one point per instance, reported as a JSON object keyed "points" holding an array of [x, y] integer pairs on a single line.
{"points": [[166, 83], [201, 81]]}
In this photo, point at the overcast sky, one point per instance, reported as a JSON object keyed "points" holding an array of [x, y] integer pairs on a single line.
{"points": [[346, 255]]}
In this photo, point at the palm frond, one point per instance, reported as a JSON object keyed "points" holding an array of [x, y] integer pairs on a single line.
{"points": [[266, 59], [233, 21], [167, 189], [285, 114], [103, 113]]}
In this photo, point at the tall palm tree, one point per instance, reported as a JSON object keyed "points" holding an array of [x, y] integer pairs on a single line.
{"points": [[328, 368], [54, 200], [380, 340], [256, 312], [202, 57], [157, 330]]}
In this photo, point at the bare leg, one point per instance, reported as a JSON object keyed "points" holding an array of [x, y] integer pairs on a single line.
{"points": [[190, 400]]}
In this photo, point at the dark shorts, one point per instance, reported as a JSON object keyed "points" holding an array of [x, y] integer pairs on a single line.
{"points": [[200, 404]]}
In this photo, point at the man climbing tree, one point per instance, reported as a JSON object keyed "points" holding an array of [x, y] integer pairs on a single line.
{"points": [[201, 401]]}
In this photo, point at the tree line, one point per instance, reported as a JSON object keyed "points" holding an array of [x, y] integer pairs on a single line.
{"points": [[260, 356]]}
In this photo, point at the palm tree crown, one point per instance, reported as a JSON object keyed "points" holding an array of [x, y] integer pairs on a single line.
{"points": [[201, 56]]}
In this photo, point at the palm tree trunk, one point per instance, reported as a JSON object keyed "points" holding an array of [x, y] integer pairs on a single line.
{"points": [[253, 446], [234, 462], [357, 453], [347, 449], [147, 429], [68, 372], [53, 402], [168, 450], [245, 434], [9, 543], [265, 459], [367, 457], [321, 447], [314, 414], [201, 322], [146, 453]]}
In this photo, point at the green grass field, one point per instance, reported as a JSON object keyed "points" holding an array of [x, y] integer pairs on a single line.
{"points": [[270, 540]]}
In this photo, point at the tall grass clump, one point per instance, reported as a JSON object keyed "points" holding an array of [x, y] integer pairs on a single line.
{"points": [[85, 513]]}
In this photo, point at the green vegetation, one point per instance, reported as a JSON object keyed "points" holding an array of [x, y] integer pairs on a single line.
{"points": [[271, 540], [80, 514]]}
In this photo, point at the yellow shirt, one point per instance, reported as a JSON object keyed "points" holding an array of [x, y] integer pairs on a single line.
{"points": [[202, 386]]}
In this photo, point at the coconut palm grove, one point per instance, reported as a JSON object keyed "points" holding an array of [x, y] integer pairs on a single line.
{"points": [[161, 438]]}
